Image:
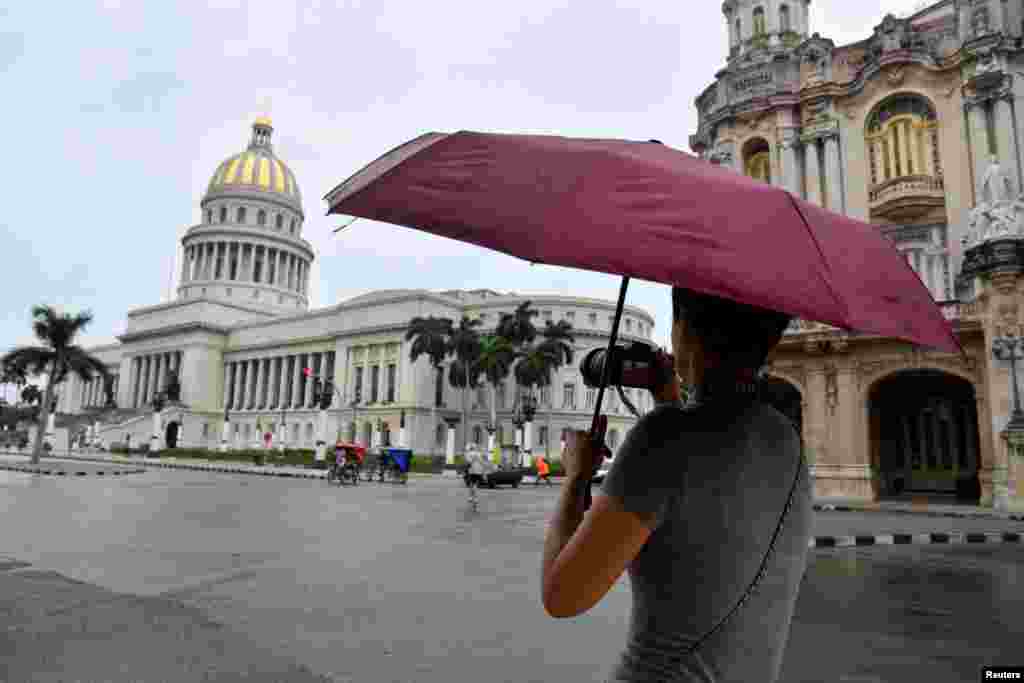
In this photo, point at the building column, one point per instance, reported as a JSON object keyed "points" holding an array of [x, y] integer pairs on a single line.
{"points": [[790, 168], [133, 391], [227, 385], [161, 372], [834, 174], [1006, 143], [250, 271], [237, 398], [264, 366], [978, 131], [145, 384], [282, 382], [307, 395], [296, 371], [812, 176], [252, 379], [282, 267]]}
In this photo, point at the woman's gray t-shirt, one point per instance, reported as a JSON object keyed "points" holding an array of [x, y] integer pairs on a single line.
{"points": [[716, 479]]}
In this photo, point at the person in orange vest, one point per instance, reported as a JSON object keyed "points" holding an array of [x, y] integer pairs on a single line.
{"points": [[543, 471]]}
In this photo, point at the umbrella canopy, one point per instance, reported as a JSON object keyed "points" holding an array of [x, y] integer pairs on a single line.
{"points": [[648, 211]]}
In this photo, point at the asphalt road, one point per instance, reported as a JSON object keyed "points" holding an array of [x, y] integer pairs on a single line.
{"points": [[187, 576]]}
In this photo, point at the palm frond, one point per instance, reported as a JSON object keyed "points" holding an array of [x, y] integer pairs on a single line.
{"points": [[31, 360]]}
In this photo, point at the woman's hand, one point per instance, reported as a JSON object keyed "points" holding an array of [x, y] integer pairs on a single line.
{"points": [[584, 455], [667, 386]]}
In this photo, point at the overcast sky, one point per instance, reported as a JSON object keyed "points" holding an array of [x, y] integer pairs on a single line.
{"points": [[116, 114]]}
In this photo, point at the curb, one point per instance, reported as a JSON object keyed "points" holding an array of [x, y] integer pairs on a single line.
{"points": [[207, 467], [913, 539], [818, 507], [39, 469]]}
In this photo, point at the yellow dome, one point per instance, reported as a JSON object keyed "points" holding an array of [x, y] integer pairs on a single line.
{"points": [[264, 121], [256, 169]]}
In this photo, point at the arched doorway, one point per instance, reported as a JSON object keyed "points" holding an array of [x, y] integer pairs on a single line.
{"points": [[757, 160], [785, 398], [171, 434], [923, 435]]}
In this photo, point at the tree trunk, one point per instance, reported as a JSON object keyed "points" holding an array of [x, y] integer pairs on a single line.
{"points": [[433, 402], [44, 415], [465, 401]]}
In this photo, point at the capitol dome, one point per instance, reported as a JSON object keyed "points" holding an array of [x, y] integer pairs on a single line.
{"points": [[256, 171]]}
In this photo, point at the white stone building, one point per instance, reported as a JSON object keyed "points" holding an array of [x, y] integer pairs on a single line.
{"points": [[240, 333]]}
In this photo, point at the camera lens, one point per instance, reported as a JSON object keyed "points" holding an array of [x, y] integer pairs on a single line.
{"points": [[592, 367]]}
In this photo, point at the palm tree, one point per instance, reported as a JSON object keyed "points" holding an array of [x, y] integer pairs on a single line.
{"points": [[557, 345], [497, 354], [430, 337], [59, 357], [31, 394], [464, 345]]}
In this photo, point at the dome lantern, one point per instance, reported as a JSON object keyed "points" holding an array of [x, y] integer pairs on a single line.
{"points": [[256, 172]]}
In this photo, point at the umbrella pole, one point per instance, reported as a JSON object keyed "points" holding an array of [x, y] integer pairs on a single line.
{"points": [[606, 372]]}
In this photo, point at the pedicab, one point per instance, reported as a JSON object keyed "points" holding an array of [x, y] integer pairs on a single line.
{"points": [[396, 465], [348, 461]]}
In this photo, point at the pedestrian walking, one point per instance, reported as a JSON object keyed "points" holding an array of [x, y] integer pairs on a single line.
{"points": [[678, 473], [543, 471]]}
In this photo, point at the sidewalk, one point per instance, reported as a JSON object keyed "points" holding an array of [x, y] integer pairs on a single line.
{"points": [[226, 466], [928, 509]]}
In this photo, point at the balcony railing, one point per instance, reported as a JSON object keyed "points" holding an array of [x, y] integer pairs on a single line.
{"points": [[951, 310], [907, 192]]}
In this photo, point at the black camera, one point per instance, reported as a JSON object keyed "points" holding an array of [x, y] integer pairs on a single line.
{"points": [[635, 365]]}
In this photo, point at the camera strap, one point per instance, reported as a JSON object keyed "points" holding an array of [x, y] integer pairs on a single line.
{"points": [[761, 570]]}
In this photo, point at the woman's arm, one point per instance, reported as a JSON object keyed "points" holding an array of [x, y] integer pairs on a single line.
{"points": [[586, 552]]}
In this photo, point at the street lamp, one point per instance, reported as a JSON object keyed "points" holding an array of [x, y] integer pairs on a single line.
{"points": [[159, 401], [1010, 347], [529, 402]]}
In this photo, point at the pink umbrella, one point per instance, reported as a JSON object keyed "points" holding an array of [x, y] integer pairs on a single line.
{"points": [[648, 211]]}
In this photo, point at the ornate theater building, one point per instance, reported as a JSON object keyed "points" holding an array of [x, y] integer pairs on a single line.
{"points": [[918, 129]]}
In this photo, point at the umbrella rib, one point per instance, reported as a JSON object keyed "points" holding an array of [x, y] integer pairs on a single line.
{"points": [[821, 253]]}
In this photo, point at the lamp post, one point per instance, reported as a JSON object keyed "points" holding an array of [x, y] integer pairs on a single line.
{"points": [[529, 410], [518, 421], [159, 401], [1010, 347]]}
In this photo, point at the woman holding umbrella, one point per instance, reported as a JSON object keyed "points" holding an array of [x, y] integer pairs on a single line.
{"points": [[708, 507]]}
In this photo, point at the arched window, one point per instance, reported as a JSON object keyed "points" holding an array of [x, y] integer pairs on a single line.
{"points": [[209, 216], [293, 227], [784, 25], [613, 439], [478, 435], [261, 217], [757, 161], [440, 435], [367, 433], [279, 222], [241, 215], [309, 431], [759, 25], [739, 31], [542, 436], [902, 139], [223, 214]]}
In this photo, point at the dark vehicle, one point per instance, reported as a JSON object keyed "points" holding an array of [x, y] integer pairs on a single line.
{"points": [[500, 477]]}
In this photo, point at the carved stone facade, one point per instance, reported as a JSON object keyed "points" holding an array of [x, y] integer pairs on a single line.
{"points": [[915, 129]]}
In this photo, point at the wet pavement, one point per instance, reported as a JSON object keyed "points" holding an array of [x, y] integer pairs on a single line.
{"points": [[383, 583]]}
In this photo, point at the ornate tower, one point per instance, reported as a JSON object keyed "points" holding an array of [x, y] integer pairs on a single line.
{"points": [[765, 24], [248, 249]]}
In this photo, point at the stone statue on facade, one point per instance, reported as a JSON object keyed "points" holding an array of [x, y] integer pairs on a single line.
{"points": [[999, 215], [995, 185]]}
